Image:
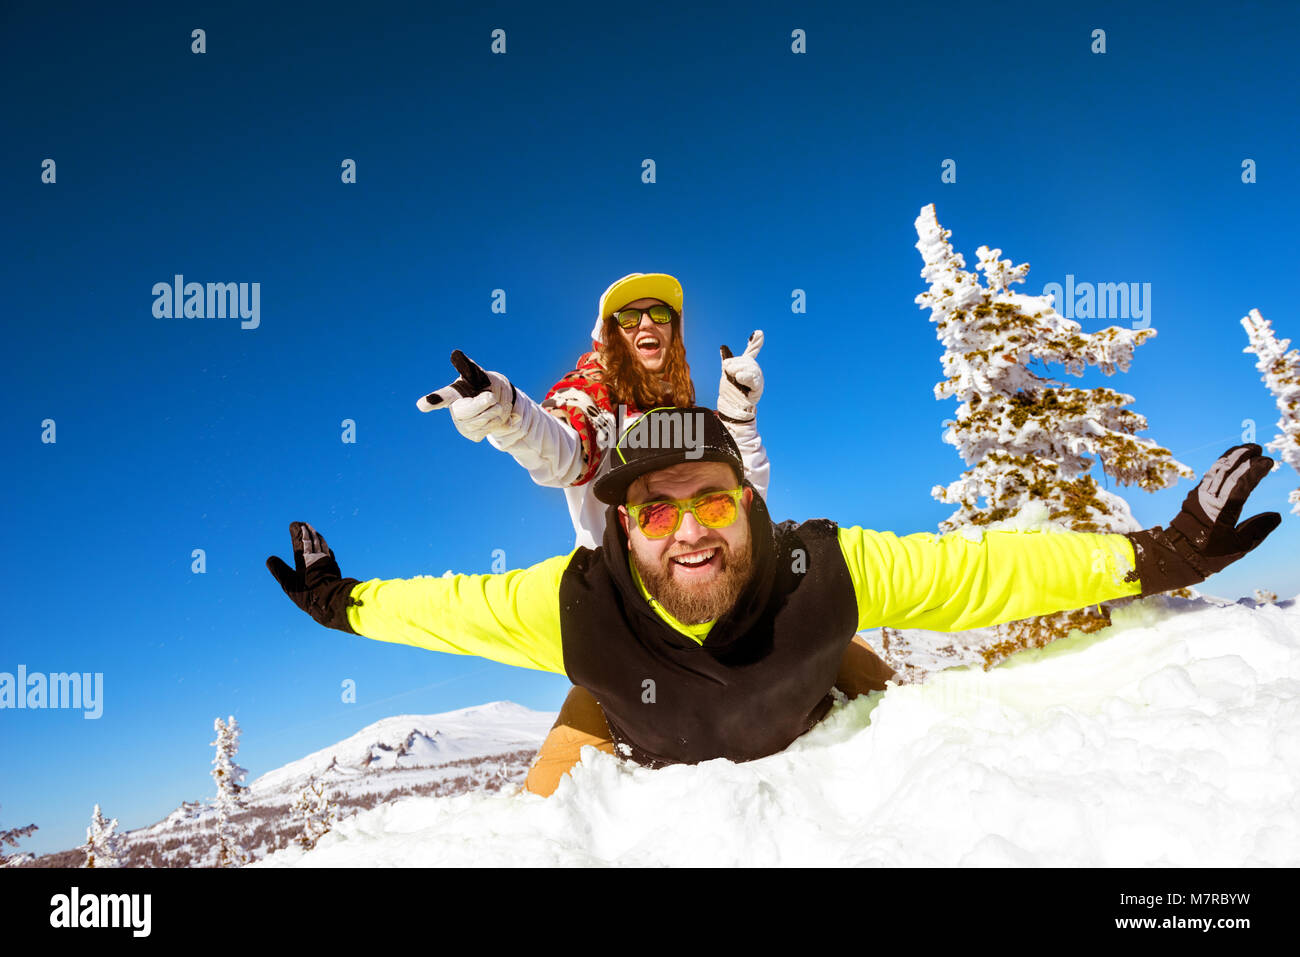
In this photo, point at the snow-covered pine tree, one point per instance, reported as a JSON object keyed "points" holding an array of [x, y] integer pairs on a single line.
{"points": [[1281, 371], [11, 837], [230, 793], [1028, 439], [316, 812], [103, 845]]}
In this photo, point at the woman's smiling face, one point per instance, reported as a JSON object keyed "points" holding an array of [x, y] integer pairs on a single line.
{"points": [[648, 340]]}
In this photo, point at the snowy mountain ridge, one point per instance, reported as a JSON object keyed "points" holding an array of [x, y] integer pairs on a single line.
{"points": [[410, 741], [485, 747]]}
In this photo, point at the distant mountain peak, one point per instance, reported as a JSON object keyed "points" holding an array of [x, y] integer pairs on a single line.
{"points": [[416, 740]]}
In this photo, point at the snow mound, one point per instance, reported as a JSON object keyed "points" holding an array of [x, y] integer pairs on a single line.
{"points": [[1171, 738]]}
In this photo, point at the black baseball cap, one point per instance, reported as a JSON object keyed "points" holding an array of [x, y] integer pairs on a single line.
{"points": [[662, 438]]}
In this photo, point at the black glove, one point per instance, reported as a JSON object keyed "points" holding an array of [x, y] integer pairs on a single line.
{"points": [[1204, 537], [314, 583]]}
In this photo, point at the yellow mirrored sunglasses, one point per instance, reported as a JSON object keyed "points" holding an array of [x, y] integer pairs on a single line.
{"points": [[712, 510]]}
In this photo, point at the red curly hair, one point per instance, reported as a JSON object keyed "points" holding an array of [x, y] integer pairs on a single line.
{"points": [[631, 383]]}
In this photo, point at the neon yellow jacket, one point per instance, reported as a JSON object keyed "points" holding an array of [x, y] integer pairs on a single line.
{"points": [[936, 582]]}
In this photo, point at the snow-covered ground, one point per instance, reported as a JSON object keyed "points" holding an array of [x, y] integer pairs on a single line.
{"points": [[1171, 738]]}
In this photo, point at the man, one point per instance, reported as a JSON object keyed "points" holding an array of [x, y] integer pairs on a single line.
{"points": [[704, 630]]}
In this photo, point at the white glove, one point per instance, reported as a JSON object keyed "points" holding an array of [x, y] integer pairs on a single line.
{"points": [[741, 385], [488, 413], [484, 405]]}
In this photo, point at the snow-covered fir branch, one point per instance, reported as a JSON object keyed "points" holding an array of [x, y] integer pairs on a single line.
{"points": [[10, 837], [1281, 372]]}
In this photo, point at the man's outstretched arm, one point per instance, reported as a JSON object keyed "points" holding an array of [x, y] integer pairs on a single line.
{"points": [[952, 583], [513, 617]]}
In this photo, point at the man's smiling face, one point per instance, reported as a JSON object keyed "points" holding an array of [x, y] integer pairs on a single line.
{"points": [[648, 340], [696, 573]]}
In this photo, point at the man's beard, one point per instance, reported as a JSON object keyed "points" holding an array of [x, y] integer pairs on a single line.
{"points": [[701, 603]]}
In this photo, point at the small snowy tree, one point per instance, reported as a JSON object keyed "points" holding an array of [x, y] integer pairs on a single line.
{"points": [[11, 837], [317, 813], [103, 844], [1281, 371], [230, 793], [1265, 597], [1028, 439]]}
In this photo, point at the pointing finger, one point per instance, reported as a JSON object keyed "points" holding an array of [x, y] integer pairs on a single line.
{"points": [[475, 378]]}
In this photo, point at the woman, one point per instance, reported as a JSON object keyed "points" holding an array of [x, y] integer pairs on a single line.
{"points": [[638, 362]]}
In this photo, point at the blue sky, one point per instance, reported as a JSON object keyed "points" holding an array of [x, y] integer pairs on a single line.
{"points": [[522, 172]]}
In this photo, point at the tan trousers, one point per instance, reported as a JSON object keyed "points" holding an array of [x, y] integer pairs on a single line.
{"points": [[581, 722]]}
